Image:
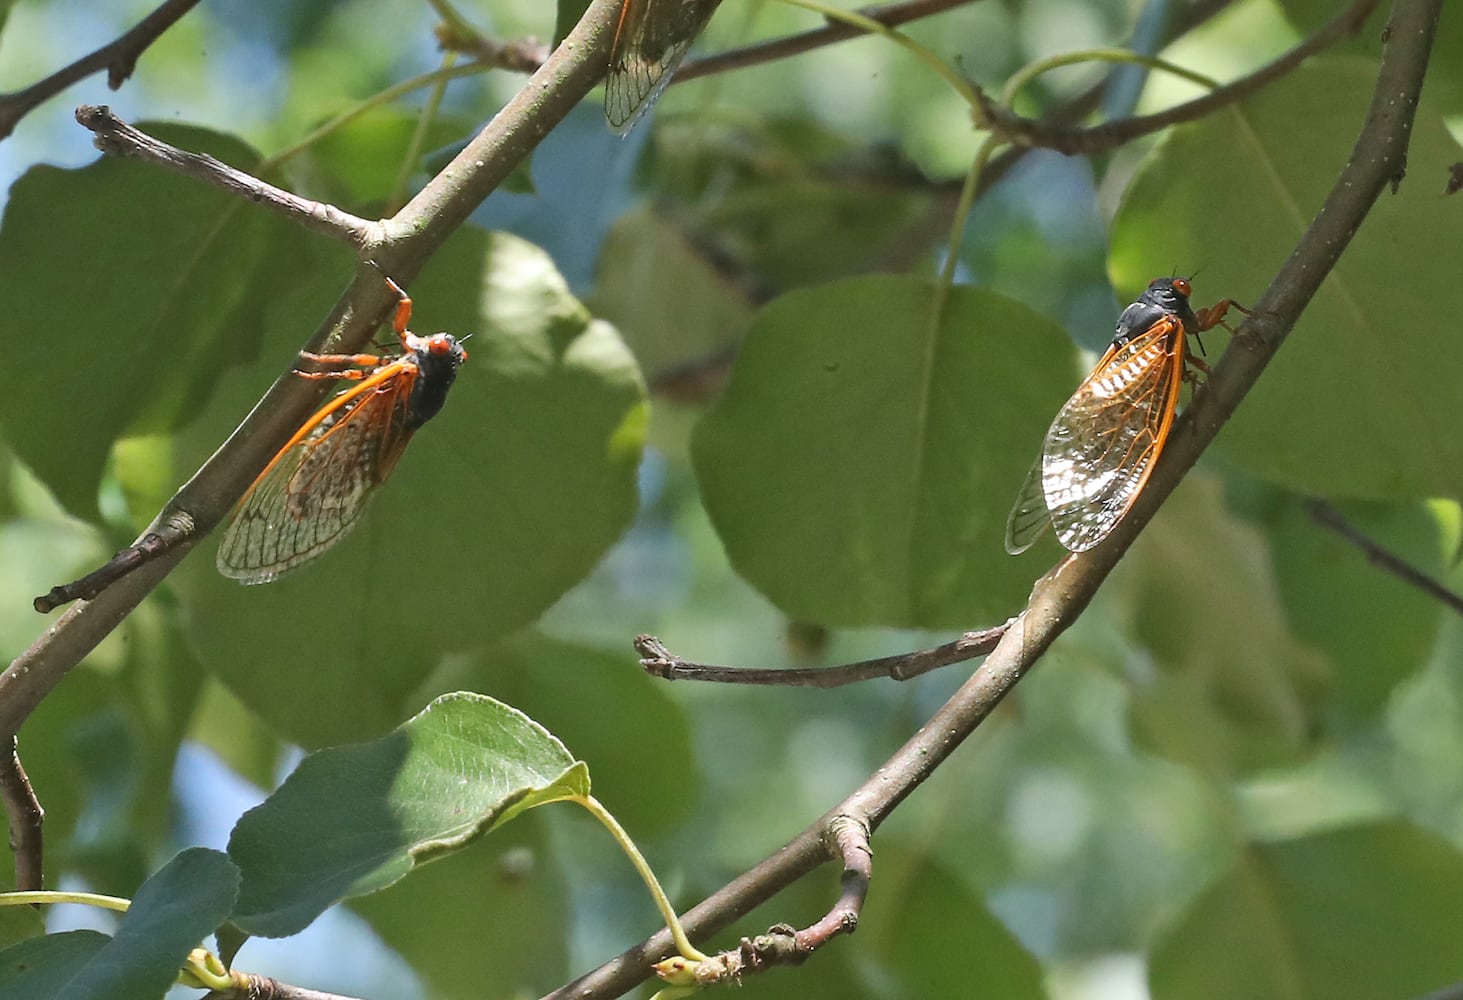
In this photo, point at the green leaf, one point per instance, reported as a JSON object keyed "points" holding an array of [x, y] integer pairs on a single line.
{"points": [[172, 913], [1361, 400], [351, 820], [1363, 912], [140, 321], [489, 922], [38, 968], [501, 504], [676, 306], [934, 916], [1445, 65], [1236, 690], [642, 754], [569, 13], [861, 464], [1375, 629]]}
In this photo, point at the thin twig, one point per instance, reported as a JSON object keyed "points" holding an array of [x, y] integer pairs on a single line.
{"points": [[176, 530], [117, 138], [890, 15], [26, 815], [264, 988], [1329, 517], [661, 662], [519, 55], [847, 839], [1109, 135], [400, 247], [118, 58], [1062, 594]]}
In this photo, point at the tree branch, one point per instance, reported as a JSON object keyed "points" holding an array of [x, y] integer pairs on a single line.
{"points": [[117, 138], [1109, 135], [1063, 593], [1330, 518], [26, 814], [264, 988], [661, 662], [890, 14], [119, 59], [847, 838], [400, 246]]}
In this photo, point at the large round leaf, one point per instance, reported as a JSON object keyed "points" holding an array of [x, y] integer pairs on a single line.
{"points": [[502, 503], [122, 282], [1363, 912], [861, 464], [1362, 400], [352, 820]]}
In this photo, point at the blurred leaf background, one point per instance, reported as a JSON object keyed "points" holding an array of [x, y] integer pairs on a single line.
{"points": [[705, 401]]}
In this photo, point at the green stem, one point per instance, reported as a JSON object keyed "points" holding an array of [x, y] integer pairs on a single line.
{"points": [[668, 914], [202, 970], [1031, 71], [453, 19], [957, 227], [419, 136], [376, 100], [49, 896], [961, 85]]}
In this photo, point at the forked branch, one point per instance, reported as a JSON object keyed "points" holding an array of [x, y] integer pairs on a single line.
{"points": [[1061, 596], [118, 58], [1071, 139]]}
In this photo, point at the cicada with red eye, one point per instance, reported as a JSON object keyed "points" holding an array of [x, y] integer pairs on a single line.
{"points": [[1104, 443], [316, 489], [651, 39]]}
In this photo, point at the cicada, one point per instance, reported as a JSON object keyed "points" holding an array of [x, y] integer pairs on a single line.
{"points": [[651, 39], [1104, 443], [316, 489]]}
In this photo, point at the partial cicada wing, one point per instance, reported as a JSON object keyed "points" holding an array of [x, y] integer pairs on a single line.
{"points": [[1029, 516], [652, 38], [316, 489], [1103, 444]]}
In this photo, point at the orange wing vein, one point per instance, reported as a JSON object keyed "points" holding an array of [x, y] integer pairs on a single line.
{"points": [[1103, 444], [316, 489]]}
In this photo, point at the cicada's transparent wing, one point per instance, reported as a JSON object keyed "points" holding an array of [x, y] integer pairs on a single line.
{"points": [[652, 38], [1029, 516], [1103, 444], [316, 489]]}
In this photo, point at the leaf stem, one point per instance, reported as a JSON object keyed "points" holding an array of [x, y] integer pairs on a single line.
{"points": [[419, 136], [1031, 71], [375, 100], [668, 914], [39, 896], [957, 225], [873, 27]]}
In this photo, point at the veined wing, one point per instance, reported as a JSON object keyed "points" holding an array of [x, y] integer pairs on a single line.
{"points": [[1103, 444], [651, 39], [317, 487], [1029, 516]]}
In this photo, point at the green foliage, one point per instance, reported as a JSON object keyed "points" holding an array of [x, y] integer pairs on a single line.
{"points": [[39, 968], [1155, 789], [185, 253], [174, 910], [1229, 196], [853, 468], [1364, 912], [352, 820], [531, 464]]}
